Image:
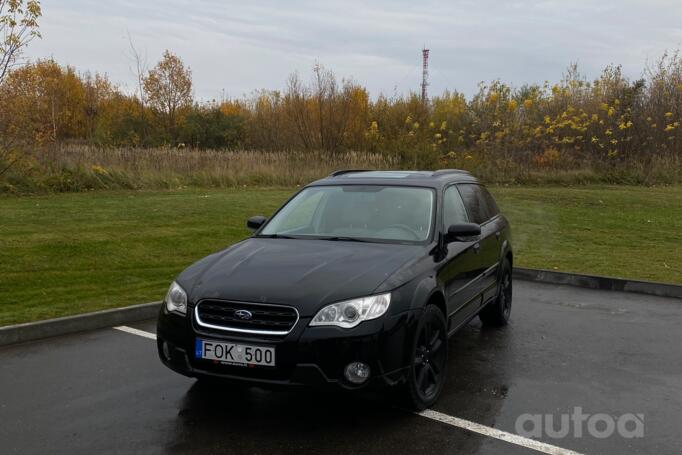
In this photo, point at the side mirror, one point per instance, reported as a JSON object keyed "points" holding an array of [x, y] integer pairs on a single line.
{"points": [[462, 232], [255, 222]]}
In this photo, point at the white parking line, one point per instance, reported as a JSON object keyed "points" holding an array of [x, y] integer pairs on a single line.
{"points": [[138, 332], [444, 418], [495, 433]]}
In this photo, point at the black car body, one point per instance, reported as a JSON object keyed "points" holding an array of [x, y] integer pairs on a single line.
{"points": [[265, 290]]}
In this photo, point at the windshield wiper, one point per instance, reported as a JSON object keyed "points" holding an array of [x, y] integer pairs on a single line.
{"points": [[275, 236], [341, 238]]}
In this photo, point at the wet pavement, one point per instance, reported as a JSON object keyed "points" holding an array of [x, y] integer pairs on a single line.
{"points": [[605, 352]]}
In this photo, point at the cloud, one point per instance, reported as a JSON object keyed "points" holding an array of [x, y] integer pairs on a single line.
{"points": [[241, 46]]}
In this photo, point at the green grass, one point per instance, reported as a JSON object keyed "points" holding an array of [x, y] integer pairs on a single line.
{"points": [[71, 253]]}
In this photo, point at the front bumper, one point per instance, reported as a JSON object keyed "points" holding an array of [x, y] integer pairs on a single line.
{"points": [[310, 356]]}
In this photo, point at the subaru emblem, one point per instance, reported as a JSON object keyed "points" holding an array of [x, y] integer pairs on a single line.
{"points": [[243, 314]]}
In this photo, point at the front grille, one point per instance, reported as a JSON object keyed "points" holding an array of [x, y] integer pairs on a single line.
{"points": [[265, 319]]}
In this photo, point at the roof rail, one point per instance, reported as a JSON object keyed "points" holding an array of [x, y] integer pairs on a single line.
{"points": [[450, 171], [347, 171]]}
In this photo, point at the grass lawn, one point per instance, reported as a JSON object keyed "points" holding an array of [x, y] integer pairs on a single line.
{"points": [[70, 253]]}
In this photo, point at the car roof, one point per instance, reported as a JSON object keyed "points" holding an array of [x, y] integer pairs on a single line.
{"points": [[432, 179]]}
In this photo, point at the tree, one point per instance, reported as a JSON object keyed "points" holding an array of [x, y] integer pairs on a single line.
{"points": [[207, 126], [18, 27], [169, 89]]}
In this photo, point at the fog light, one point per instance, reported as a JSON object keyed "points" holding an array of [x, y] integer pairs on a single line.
{"points": [[166, 350], [357, 372]]}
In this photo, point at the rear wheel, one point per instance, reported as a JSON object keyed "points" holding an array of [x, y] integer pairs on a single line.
{"points": [[426, 374], [497, 313]]}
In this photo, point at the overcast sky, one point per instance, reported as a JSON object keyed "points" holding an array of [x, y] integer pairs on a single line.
{"points": [[240, 46]]}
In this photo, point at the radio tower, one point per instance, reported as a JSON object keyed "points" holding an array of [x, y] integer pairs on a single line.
{"points": [[425, 73]]}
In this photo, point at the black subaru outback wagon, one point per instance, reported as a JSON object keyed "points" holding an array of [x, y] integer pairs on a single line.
{"points": [[359, 279]]}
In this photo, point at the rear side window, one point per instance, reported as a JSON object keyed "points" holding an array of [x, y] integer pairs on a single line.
{"points": [[490, 203], [479, 204], [453, 208]]}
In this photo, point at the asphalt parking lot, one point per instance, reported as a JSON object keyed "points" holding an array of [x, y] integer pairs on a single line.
{"points": [[611, 353]]}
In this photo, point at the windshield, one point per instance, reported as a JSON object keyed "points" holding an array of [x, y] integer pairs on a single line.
{"points": [[355, 212]]}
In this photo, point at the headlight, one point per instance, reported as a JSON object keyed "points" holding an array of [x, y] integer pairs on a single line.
{"points": [[176, 299], [352, 312]]}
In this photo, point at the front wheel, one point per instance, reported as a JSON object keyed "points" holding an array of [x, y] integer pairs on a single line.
{"points": [[426, 374], [497, 312]]}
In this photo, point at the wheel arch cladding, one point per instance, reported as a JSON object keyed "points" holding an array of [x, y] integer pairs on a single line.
{"points": [[438, 299]]}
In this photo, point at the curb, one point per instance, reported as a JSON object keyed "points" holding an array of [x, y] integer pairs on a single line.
{"points": [[599, 282], [30, 331]]}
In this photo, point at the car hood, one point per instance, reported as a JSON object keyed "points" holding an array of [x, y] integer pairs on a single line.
{"points": [[305, 274]]}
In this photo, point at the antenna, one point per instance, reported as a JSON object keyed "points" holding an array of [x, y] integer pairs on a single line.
{"points": [[425, 73]]}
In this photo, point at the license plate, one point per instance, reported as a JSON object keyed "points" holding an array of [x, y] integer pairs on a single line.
{"points": [[235, 354]]}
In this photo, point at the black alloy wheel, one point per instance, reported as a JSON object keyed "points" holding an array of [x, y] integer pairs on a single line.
{"points": [[428, 369], [497, 312]]}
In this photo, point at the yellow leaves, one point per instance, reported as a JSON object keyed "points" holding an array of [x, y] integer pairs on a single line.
{"points": [[444, 126], [373, 130], [608, 132], [512, 105], [604, 107], [549, 157], [168, 86], [668, 114], [230, 108], [97, 169], [494, 96], [669, 128], [528, 103], [552, 154], [548, 120], [610, 112]]}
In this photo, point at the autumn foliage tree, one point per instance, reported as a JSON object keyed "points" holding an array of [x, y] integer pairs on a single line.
{"points": [[18, 27], [168, 90]]}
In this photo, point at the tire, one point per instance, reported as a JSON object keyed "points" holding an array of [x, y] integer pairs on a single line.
{"points": [[497, 312], [427, 370]]}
